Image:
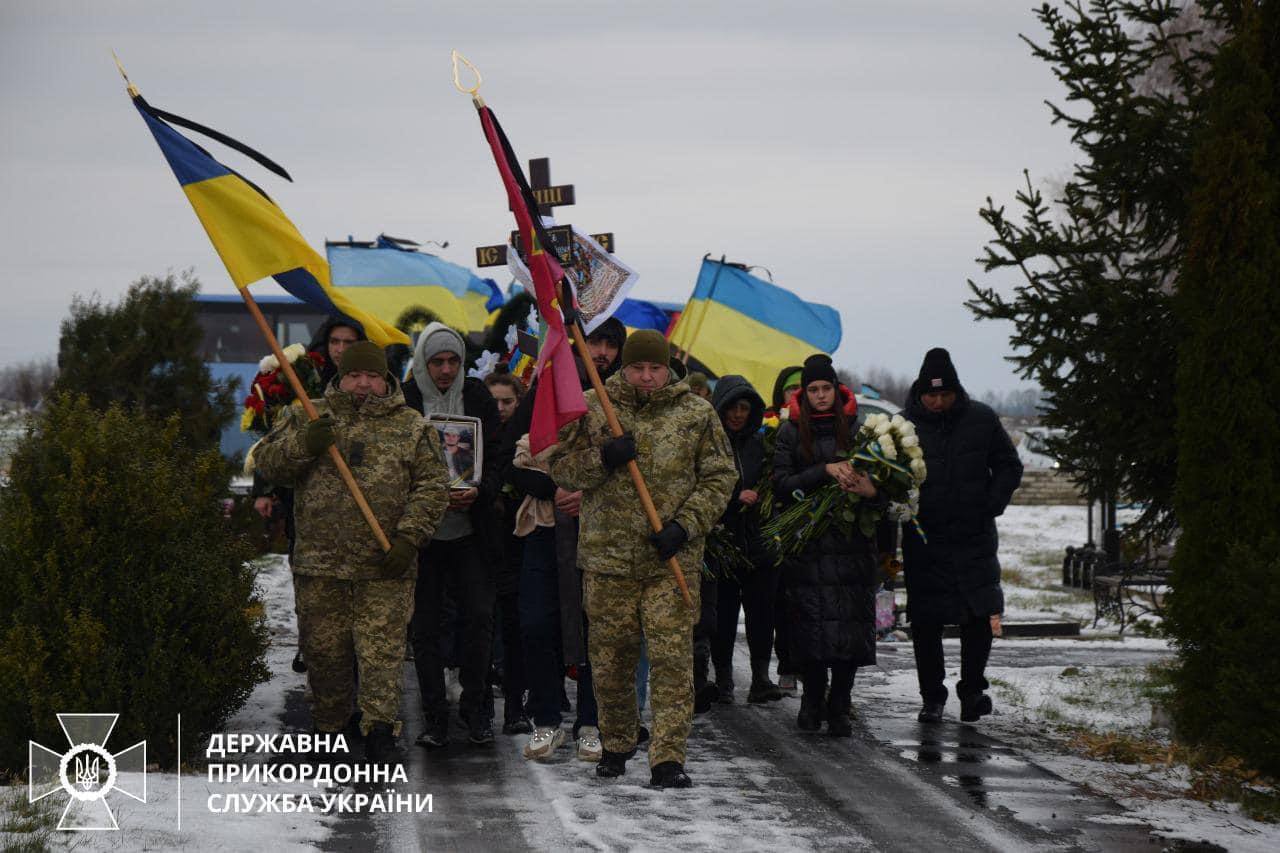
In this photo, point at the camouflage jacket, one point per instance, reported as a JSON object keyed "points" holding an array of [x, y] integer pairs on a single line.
{"points": [[684, 454], [396, 461]]}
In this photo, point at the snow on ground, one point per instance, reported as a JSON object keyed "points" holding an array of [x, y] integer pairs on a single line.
{"points": [[154, 825], [1039, 706]]}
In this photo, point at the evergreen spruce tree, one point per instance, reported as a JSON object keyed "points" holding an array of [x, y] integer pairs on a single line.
{"points": [[1093, 319], [144, 354], [1225, 606], [125, 588]]}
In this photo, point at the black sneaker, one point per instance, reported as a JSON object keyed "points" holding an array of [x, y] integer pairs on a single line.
{"points": [[838, 725], [670, 774], [724, 692], [436, 734], [973, 707], [380, 745], [480, 729], [931, 713], [517, 726], [299, 665], [613, 764]]}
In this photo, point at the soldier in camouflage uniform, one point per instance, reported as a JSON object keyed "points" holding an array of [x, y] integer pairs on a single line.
{"points": [[683, 452], [354, 601]]}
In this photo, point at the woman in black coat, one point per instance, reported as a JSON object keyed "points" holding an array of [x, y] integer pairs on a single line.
{"points": [[831, 584]]}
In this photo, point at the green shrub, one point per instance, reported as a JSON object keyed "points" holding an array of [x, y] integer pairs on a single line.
{"points": [[124, 588], [144, 353]]}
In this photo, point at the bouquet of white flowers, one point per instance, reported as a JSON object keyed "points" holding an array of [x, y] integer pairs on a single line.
{"points": [[888, 451]]}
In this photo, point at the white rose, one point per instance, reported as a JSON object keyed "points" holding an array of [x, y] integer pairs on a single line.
{"points": [[906, 428], [918, 469], [909, 441], [293, 352], [889, 451], [914, 452], [883, 427], [898, 421], [268, 364]]}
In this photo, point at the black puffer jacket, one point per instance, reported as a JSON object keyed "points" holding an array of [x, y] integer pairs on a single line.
{"points": [[831, 585], [748, 457], [973, 470]]}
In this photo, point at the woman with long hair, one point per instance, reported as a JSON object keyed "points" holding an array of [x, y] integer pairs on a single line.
{"points": [[831, 584]]}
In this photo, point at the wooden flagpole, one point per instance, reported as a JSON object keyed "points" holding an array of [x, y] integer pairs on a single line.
{"points": [[296, 384]]}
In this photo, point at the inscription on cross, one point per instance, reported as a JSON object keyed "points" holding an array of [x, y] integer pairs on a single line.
{"points": [[549, 197]]}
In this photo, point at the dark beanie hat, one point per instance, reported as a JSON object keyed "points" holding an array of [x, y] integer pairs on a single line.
{"points": [[363, 355], [937, 373], [817, 367], [698, 379], [612, 331], [646, 345]]}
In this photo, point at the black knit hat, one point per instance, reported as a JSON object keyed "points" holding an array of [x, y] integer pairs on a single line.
{"points": [[817, 367], [612, 331], [937, 373]]}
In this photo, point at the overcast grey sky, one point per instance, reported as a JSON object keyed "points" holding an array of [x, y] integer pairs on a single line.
{"points": [[846, 146]]}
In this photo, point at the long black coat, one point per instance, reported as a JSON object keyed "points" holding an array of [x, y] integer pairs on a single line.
{"points": [[973, 470], [831, 585]]}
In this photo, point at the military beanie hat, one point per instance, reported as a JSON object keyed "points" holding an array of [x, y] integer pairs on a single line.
{"points": [[646, 345], [363, 355]]}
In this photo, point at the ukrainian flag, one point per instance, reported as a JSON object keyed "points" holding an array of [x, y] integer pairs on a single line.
{"points": [[250, 233], [385, 279], [736, 323]]}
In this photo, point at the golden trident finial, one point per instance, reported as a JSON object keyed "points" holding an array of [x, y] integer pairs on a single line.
{"points": [[133, 90], [474, 91]]}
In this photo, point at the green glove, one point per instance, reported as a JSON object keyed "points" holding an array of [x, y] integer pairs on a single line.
{"points": [[318, 435], [396, 562]]}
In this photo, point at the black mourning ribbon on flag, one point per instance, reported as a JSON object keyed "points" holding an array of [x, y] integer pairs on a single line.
{"points": [[531, 205], [218, 136]]}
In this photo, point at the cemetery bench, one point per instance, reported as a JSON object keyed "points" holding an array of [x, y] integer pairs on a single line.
{"points": [[1126, 591]]}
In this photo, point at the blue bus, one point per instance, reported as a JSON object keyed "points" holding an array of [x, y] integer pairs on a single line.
{"points": [[232, 344]]}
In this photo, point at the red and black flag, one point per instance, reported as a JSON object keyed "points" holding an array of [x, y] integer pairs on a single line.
{"points": [[559, 398]]}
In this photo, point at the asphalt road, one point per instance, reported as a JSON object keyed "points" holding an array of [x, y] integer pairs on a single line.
{"points": [[762, 785]]}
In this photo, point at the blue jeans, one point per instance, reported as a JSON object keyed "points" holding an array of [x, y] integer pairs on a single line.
{"points": [[539, 604]]}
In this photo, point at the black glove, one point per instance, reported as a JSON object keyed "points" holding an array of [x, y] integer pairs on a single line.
{"points": [[318, 435], [617, 452], [669, 540], [395, 563]]}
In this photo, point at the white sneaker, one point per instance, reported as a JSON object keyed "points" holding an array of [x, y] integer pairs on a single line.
{"points": [[589, 748], [543, 742]]}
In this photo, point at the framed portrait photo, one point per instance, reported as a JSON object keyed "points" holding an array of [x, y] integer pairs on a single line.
{"points": [[462, 442]]}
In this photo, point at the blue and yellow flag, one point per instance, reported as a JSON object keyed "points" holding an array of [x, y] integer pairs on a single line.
{"points": [[385, 279], [250, 233], [737, 323]]}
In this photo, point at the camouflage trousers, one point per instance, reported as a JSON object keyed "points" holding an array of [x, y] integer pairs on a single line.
{"points": [[342, 623], [621, 611]]}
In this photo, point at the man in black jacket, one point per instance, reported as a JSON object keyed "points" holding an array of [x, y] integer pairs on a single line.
{"points": [[954, 577], [460, 556]]}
